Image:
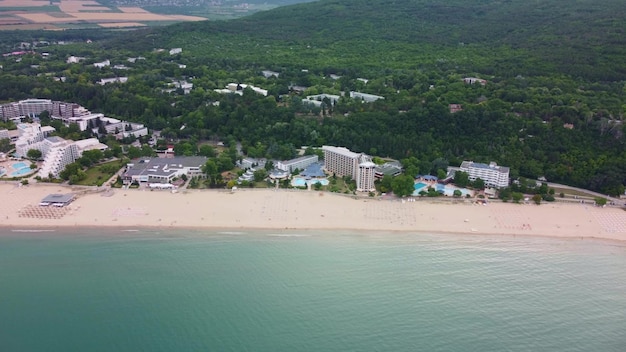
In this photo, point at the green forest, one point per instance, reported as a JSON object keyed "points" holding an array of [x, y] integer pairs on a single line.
{"points": [[553, 104]]}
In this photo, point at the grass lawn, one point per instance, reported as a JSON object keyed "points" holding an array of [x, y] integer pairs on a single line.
{"points": [[96, 176]]}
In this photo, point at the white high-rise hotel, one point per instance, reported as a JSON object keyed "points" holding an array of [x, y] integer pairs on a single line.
{"points": [[492, 174], [343, 162], [56, 151]]}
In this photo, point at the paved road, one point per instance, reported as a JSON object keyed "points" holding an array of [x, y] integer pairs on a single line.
{"points": [[615, 200]]}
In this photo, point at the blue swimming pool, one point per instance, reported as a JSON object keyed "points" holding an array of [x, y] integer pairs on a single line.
{"points": [[302, 182], [447, 190], [22, 171], [418, 188], [19, 165], [298, 182]]}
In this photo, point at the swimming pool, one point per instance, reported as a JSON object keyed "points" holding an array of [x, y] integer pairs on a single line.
{"points": [[22, 171], [19, 165], [420, 186], [302, 182], [447, 190]]}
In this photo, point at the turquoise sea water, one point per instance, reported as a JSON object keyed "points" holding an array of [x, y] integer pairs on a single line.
{"points": [[210, 291]]}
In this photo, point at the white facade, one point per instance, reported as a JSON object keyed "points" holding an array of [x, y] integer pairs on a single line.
{"points": [[104, 81], [30, 137], [74, 59], [84, 121], [320, 98], [102, 64], [367, 98], [4, 134], [365, 177], [343, 162], [492, 174], [58, 154], [340, 161], [238, 89], [297, 163], [34, 107], [123, 129], [268, 74], [9, 111]]}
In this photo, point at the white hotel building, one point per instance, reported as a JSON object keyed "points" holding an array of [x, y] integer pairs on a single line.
{"points": [[493, 175], [343, 162], [298, 163], [55, 151]]}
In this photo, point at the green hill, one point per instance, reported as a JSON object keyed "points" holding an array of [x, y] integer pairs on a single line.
{"points": [[581, 38]]}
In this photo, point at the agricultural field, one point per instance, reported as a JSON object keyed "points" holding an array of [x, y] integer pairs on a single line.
{"points": [[54, 15]]}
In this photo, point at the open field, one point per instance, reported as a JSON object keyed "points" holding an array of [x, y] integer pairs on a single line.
{"points": [[37, 14]]}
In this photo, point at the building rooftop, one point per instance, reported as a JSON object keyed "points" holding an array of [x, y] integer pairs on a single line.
{"points": [[298, 159], [55, 139], [58, 198], [490, 166], [164, 166], [313, 170], [341, 150]]}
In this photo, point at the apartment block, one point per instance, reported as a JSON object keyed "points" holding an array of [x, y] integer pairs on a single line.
{"points": [[493, 174]]}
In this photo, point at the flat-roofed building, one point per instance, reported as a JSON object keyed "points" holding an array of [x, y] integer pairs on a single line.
{"points": [[56, 199], [57, 153], [366, 175], [392, 168], [297, 163], [30, 135], [90, 144], [10, 111], [493, 175], [367, 98], [340, 161], [84, 122], [34, 107], [123, 129], [318, 99], [163, 170]]}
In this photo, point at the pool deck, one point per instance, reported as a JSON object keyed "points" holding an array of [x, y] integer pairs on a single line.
{"points": [[11, 171]]}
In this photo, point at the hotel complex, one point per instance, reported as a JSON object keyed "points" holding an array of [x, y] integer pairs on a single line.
{"points": [[56, 152], [343, 162], [71, 113], [163, 170], [493, 175], [300, 163]]}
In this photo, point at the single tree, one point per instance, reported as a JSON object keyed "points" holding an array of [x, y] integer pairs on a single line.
{"points": [[33, 154]]}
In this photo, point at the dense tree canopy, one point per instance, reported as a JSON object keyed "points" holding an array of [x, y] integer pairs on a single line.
{"points": [[552, 106]]}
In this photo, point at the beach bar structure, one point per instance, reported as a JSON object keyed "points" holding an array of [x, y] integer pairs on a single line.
{"points": [[58, 200]]}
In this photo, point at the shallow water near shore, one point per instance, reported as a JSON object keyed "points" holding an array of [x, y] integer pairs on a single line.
{"points": [[150, 290]]}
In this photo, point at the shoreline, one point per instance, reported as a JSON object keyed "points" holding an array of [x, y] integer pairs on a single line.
{"points": [[298, 210]]}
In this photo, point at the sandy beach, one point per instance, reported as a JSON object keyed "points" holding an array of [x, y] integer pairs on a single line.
{"points": [[302, 210]]}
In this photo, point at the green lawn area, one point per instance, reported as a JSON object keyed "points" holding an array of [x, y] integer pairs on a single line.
{"points": [[98, 175]]}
